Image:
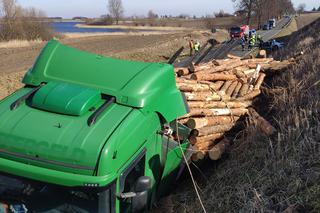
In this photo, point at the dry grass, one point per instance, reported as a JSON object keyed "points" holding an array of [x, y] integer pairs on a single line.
{"points": [[306, 19], [19, 43], [125, 27], [9, 83], [276, 174], [292, 27], [131, 33], [162, 51]]}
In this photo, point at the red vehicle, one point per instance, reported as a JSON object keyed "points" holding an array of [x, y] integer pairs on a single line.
{"points": [[239, 32]]}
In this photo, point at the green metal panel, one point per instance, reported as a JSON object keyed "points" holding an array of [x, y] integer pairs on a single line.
{"points": [[47, 138], [66, 98], [173, 158], [53, 176], [56, 141], [143, 85]]}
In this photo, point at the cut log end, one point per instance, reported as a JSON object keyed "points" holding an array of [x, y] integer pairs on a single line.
{"points": [[216, 152]]}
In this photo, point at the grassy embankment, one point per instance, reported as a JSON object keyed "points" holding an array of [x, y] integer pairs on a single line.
{"points": [[280, 173], [297, 23]]}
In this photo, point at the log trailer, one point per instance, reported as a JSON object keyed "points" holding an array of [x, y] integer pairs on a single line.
{"points": [[89, 133]]}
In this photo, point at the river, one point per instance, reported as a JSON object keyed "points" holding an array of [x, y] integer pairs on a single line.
{"points": [[70, 27]]}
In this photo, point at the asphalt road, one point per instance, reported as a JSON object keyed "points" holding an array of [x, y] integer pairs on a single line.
{"points": [[265, 34], [233, 46]]}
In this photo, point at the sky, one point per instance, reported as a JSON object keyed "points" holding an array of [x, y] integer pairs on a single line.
{"points": [[95, 8]]}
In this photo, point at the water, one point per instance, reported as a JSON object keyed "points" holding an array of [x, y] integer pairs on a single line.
{"points": [[70, 27]]}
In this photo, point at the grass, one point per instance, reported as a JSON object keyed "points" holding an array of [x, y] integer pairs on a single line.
{"points": [[9, 83], [280, 173], [125, 27], [19, 43], [173, 23], [292, 27], [306, 19]]}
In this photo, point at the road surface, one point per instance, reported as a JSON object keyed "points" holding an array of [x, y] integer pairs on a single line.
{"points": [[233, 46], [265, 34]]}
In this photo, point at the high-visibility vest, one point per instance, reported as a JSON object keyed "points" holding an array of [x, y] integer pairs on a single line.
{"points": [[197, 46]]}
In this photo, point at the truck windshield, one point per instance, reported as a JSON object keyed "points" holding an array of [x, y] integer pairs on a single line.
{"points": [[52, 199], [235, 29]]}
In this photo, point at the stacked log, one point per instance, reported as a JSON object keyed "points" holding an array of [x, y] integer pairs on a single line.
{"points": [[218, 94]]}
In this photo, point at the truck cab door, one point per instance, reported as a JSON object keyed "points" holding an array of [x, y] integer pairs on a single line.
{"points": [[172, 154]]}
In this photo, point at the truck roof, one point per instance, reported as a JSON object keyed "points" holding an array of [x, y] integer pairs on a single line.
{"points": [[135, 84]]}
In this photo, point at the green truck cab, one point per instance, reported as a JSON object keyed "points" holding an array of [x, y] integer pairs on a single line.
{"points": [[91, 134]]}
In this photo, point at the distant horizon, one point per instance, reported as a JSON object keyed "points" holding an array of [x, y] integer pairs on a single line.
{"points": [[96, 8]]}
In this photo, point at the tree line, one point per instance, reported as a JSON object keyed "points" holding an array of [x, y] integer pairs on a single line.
{"points": [[22, 23], [261, 10]]}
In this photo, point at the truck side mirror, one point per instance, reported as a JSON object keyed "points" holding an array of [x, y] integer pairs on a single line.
{"points": [[140, 201]]}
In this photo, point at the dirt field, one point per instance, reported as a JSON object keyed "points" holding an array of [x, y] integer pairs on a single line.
{"points": [[220, 22], [15, 60]]}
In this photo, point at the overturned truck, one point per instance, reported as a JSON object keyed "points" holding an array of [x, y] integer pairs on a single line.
{"points": [[90, 134], [94, 134]]}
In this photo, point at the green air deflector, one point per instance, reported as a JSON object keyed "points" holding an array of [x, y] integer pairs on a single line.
{"points": [[149, 86]]}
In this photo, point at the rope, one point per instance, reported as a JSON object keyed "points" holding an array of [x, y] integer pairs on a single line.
{"points": [[190, 172]]}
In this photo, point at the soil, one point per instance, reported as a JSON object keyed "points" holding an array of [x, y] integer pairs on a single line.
{"points": [[15, 61]]}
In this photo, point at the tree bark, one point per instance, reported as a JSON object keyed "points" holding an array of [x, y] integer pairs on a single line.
{"points": [[231, 89], [196, 140], [202, 96], [259, 81], [263, 124], [224, 88], [196, 123], [236, 91], [199, 87], [244, 90], [250, 95], [209, 130], [216, 152], [219, 104]]}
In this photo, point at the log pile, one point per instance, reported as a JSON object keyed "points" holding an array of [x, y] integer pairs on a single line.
{"points": [[218, 94]]}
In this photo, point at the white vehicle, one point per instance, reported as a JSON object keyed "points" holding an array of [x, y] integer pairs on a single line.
{"points": [[272, 23]]}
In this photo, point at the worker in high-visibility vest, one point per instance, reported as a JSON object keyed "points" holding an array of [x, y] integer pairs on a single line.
{"points": [[251, 43], [259, 39], [191, 46], [197, 46], [254, 39]]}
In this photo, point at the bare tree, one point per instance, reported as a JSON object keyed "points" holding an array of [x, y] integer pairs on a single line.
{"points": [[8, 8], [261, 10], [21, 23], [115, 9], [247, 7], [152, 15], [259, 7], [301, 8]]}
